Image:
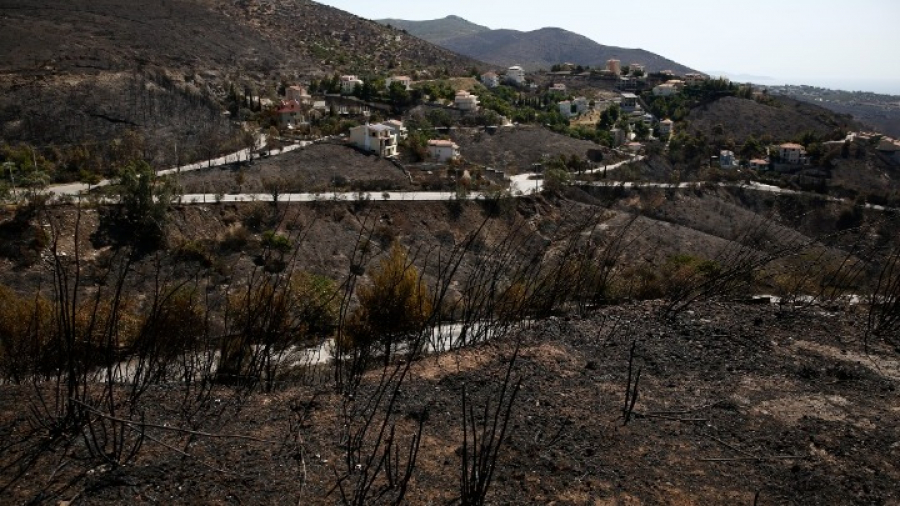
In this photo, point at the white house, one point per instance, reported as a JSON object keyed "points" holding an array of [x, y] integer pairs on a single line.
{"points": [[465, 101], [516, 75], [376, 138], [727, 160], [665, 128], [560, 87], [490, 80], [349, 83], [637, 68], [629, 103], [442, 151], [665, 90], [299, 94], [405, 81], [759, 164], [694, 78], [290, 113], [793, 154], [565, 108], [397, 128], [582, 105]]}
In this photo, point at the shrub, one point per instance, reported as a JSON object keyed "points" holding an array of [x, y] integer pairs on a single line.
{"points": [[145, 200], [24, 325], [394, 307], [276, 241], [236, 239]]}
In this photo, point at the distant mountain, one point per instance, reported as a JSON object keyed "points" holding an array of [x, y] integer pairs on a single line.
{"points": [[437, 30], [538, 49]]}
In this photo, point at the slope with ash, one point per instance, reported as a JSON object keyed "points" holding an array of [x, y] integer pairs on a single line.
{"points": [[782, 120], [78, 70]]}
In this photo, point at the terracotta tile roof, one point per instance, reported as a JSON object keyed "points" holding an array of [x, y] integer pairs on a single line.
{"points": [[442, 144]]}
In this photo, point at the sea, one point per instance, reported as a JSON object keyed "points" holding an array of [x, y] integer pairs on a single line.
{"points": [[880, 86]]}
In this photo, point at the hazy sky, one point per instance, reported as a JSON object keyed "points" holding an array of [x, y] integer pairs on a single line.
{"points": [[822, 42]]}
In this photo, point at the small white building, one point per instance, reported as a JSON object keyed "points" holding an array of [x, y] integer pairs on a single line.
{"points": [[299, 94], [376, 138], [560, 87], [727, 160], [665, 90], [516, 75], [694, 78], [349, 83], [629, 103], [666, 128], [759, 164], [290, 114], [465, 101], [404, 81], [442, 151], [792, 154], [565, 108], [490, 79], [637, 68], [582, 105]]}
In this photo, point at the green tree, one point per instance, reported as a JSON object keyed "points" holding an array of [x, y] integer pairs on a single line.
{"points": [[399, 96], [145, 200], [641, 130], [393, 308]]}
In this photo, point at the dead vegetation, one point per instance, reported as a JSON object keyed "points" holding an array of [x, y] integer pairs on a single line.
{"points": [[123, 362]]}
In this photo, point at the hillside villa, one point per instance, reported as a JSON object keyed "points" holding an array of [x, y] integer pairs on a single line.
{"points": [[377, 138], [668, 88], [665, 128], [792, 154], [694, 78], [404, 81], [298, 94], [516, 75], [290, 114], [490, 80], [759, 164], [397, 128], [442, 151], [465, 101], [629, 103], [349, 83], [582, 105], [727, 160]]}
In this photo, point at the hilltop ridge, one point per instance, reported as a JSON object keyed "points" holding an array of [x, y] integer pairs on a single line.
{"points": [[537, 49]]}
